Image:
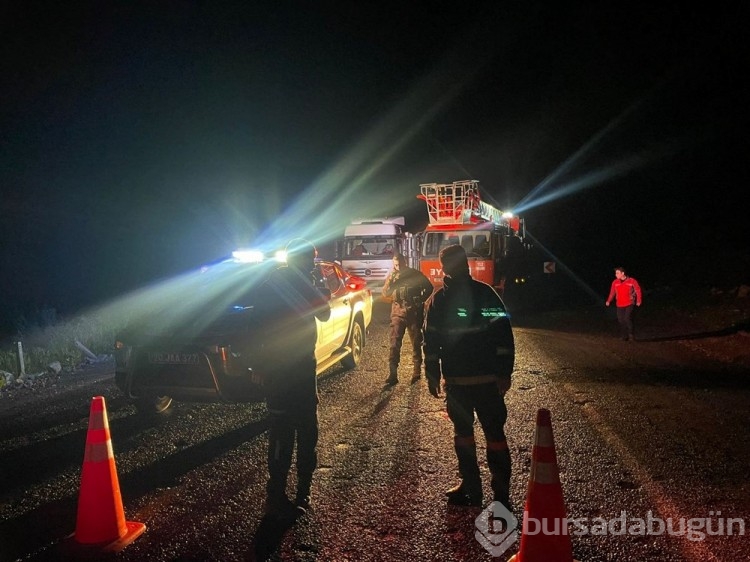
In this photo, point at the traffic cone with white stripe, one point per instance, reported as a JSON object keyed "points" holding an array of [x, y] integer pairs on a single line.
{"points": [[100, 523], [544, 534]]}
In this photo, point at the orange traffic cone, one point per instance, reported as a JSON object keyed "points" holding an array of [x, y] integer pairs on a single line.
{"points": [[544, 534], [101, 520]]}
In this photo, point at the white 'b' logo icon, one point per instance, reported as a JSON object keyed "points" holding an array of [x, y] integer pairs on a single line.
{"points": [[496, 528]]}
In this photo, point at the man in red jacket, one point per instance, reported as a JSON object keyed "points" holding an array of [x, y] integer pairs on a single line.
{"points": [[627, 294]]}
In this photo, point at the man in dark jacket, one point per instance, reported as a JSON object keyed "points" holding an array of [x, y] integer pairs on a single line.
{"points": [[289, 303], [469, 342], [408, 289]]}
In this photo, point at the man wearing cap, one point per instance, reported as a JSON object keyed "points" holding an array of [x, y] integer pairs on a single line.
{"points": [[468, 342]]}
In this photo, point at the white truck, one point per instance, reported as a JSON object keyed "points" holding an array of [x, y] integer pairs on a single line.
{"points": [[368, 247]]}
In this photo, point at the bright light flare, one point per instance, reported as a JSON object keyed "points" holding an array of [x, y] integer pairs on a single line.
{"points": [[349, 188], [248, 256], [185, 303], [280, 256], [594, 178]]}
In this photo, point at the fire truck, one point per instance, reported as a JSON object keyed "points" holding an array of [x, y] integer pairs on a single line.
{"points": [[493, 240]]}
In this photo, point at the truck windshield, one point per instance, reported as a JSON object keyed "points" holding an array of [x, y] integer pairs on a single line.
{"points": [[475, 242], [372, 247]]}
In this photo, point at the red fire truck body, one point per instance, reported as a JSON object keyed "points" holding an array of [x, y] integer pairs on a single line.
{"points": [[493, 240]]}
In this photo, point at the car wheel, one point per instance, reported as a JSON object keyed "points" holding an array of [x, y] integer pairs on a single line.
{"points": [[153, 404], [356, 344]]}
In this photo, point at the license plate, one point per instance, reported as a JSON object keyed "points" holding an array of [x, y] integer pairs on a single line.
{"points": [[166, 358]]}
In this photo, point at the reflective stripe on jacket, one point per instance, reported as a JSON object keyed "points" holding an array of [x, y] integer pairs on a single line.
{"points": [[467, 332]]}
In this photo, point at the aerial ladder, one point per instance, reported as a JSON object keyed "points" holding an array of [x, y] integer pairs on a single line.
{"points": [[460, 203]]}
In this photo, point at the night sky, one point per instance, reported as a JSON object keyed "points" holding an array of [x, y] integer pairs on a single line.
{"points": [[140, 140]]}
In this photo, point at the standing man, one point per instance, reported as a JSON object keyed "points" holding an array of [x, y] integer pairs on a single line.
{"points": [[288, 305], [627, 294], [408, 289], [469, 342]]}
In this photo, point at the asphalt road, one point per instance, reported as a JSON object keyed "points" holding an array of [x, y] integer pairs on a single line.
{"points": [[656, 429]]}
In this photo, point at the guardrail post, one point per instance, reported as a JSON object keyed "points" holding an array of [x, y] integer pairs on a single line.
{"points": [[19, 360]]}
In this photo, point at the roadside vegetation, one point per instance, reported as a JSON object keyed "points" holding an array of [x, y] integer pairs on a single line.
{"points": [[47, 340]]}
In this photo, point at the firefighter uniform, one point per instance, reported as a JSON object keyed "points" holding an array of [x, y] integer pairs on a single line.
{"points": [[469, 343], [409, 289]]}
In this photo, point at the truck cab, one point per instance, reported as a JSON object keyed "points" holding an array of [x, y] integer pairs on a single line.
{"points": [[369, 245]]}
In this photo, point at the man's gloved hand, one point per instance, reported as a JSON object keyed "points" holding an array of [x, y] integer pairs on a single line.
{"points": [[434, 387]]}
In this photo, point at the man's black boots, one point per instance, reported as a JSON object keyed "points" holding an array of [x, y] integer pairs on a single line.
{"points": [[465, 494]]}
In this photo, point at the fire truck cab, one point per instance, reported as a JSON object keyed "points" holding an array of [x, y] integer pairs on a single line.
{"points": [[493, 240]]}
